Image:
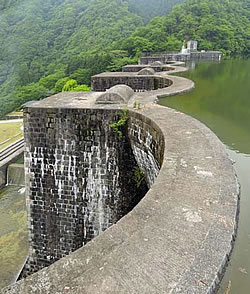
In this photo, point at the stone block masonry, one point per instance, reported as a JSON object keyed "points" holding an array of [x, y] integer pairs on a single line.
{"points": [[137, 67], [147, 143], [81, 177], [151, 59], [104, 81]]}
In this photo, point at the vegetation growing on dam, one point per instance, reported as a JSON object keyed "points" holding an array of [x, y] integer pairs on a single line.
{"points": [[46, 43], [118, 127]]}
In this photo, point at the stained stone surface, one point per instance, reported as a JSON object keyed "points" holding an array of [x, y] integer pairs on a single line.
{"points": [[80, 178]]}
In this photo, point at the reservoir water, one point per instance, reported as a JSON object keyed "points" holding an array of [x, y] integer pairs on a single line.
{"points": [[13, 233], [221, 100]]}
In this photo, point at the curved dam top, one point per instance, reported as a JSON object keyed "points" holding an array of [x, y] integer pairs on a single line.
{"points": [[179, 237]]}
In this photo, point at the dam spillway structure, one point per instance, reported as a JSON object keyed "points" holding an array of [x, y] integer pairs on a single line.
{"points": [[149, 192], [81, 179], [188, 52]]}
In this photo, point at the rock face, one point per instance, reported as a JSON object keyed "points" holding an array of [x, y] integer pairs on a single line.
{"points": [[81, 177]]}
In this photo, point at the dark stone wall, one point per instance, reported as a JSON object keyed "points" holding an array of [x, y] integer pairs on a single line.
{"points": [[211, 55], [136, 68], [80, 176], [147, 142], [151, 59], [208, 55], [137, 83], [3, 175]]}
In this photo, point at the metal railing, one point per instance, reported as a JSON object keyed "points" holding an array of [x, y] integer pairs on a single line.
{"points": [[11, 149]]}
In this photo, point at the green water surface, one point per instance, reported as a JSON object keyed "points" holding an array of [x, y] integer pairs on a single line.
{"points": [[13, 233], [221, 100]]}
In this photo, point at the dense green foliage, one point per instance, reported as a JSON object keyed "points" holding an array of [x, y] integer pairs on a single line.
{"points": [[216, 25], [72, 86], [148, 9], [118, 127], [57, 39], [44, 44]]}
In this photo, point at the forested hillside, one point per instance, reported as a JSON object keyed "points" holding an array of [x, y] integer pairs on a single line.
{"points": [[45, 43], [148, 9], [41, 37], [216, 25]]}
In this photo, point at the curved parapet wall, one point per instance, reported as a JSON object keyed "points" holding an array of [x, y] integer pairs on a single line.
{"points": [[134, 78], [80, 176], [139, 83], [138, 67], [178, 238], [151, 59]]}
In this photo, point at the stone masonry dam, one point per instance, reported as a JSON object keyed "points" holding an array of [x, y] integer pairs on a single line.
{"points": [[124, 195]]}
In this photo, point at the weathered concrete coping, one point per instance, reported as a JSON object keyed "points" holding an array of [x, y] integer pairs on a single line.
{"points": [[88, 99], [144, 80], [146, 71], [157, 67], [178, 238], [173, 69], [138, 67], [179, 85], [116, 94]]}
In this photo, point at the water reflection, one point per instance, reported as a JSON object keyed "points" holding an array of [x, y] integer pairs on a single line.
{"points": [[13, 233], [221, 100], [239, 270]]}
